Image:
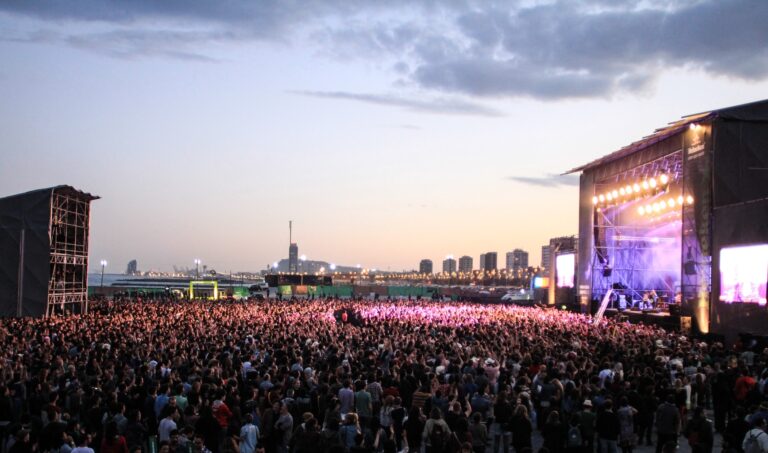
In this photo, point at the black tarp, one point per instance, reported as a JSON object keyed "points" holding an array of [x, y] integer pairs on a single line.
{"points": [[29, 212]]}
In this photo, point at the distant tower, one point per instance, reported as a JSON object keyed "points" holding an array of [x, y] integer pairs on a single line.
{"points": [[490, 259], [546, 255], [449, 265], [465, 264], [133, 268], [425, 266], [293, 250], [517, 260]]}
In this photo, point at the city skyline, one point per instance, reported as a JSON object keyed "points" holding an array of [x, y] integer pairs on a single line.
{"points": [[205, 127]]}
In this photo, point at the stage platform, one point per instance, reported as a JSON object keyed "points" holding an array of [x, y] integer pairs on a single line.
{"points": [[661, 319]]}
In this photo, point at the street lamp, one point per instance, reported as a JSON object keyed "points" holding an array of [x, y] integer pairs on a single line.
{"points": [[103, 265], [197, 268]]}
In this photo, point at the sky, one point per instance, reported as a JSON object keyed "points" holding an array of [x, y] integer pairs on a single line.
{"points": [[387, 131]]}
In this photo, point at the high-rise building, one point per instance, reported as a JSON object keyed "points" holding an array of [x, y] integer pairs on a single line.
{"points": [[482, 261], [293, 258], [491, 259], [545, 257], [517, 259], [133, 268], [465, 264], [449, 265], [425, 266]]}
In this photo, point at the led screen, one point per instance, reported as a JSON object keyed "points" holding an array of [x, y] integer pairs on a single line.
{"points": [[743, 274], [540, 282], [565, 265]]}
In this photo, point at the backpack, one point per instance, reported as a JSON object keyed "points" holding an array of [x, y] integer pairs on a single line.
{"points": [[438, 437], [574, 437], [752, 445]]}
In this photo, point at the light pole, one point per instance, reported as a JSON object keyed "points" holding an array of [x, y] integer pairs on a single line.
{"points": [[197, 268], [103, 265]]}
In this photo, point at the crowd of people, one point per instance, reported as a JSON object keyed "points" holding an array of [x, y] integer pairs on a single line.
{"points": [[247, 377]]}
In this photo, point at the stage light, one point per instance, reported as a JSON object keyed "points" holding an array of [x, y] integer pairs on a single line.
{"points": [[663, 204], [689, 199], [656, 207], [601, 198], [609, 197], [628, 189], [671, 203], [648, 208], [645, 185], [636, 188], [615, 194], [641, 210], [594, 199], [652, 182], [680, 199], [621, 191], [664, 179]]}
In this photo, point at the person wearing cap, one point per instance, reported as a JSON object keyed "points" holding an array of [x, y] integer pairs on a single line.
{"points": [[587, 420]]}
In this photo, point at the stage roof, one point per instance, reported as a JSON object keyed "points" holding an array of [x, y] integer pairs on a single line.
{"points": [[68, 190], [754, 111]]}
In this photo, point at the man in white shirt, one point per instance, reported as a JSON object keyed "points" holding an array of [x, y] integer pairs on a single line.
{"points": [[82, 445], [167, 425], [249, 436]]}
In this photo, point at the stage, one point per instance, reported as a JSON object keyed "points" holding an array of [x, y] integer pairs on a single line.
{"points": [[662, 319]]}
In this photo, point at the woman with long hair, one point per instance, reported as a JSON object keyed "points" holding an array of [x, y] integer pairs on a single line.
{"points": [[521, 428]]}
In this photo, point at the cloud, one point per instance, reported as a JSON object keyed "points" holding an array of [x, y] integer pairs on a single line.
{"points": [[545, 50], [437, 105], [550, 180]]}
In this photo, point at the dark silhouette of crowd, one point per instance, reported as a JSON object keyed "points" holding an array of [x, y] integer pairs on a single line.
{"points": [[210, 377]]}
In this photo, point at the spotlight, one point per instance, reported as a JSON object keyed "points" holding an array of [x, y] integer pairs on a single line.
{"points": [[615, 194], [689, 199], [636, 188], [601, 198], [608, 196], [671, 203], [652, 182], [656, 207], [645, 185], [664, 179], [680, 199], [663, 204], [628, 189], [621, 191], [594, 199], [648, 208], [641, 210]]}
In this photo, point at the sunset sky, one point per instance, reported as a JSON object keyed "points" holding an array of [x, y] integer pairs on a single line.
{"points": [[387, 131]]}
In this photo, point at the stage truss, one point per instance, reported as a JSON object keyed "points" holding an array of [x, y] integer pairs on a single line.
{"points": [[623, 243], [69, 226]]}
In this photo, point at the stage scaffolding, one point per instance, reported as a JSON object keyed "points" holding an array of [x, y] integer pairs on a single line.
{"points": [[68, 235], [44, 264], [623, 242]]}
